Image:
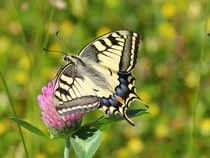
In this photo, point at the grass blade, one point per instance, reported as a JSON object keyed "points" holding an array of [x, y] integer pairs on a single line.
{"points": [[14, 112], [29, 127]]}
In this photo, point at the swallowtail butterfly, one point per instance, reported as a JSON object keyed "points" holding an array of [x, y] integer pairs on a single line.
{"points": [[99, 77]]}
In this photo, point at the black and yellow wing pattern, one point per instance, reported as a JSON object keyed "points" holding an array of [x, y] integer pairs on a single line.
{"points": [[99, 77]]}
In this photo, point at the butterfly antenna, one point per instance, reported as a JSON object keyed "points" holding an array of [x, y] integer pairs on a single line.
{"points": [[61, 42], [48, 50]]}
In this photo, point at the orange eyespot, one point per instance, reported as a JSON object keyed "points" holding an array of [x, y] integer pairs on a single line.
{"points": [[119, 99]]}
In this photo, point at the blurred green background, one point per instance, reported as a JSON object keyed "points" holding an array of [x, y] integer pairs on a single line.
{"points": [[167, 72]]}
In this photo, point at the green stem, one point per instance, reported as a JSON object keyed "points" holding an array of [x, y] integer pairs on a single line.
{"points": [[67, 149], [14, 112], [197, 92]]}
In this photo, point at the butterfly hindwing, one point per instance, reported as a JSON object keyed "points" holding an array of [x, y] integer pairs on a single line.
{"points": [[99, 76], [119, 101]]}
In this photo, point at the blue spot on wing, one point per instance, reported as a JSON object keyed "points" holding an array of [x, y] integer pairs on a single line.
{"points": [[104, 101], [123, 80], [123, 87], [112, 100], [119, 91]]}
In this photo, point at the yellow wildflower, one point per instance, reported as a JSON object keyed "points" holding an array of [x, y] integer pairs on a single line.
{"points": [[161, 130], [168, 10], [22, 77], [205, 127], [122, 153], [167, 30], [41, 155], [55, 46], [154, 109], [208, 24], [135, 145], [5, 125], [103, 30], [145, 96], [24, 62], [67, 27], [191, 80]]}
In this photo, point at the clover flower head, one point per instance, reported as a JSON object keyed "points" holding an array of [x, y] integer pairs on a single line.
{"points": [[57, 125]]}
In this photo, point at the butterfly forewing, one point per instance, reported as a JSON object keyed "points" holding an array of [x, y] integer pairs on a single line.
{"points": [[115, 50], [72, 94], [99, 77]]}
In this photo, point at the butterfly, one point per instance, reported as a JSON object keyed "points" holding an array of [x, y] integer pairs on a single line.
{"points": [[99, 77]]}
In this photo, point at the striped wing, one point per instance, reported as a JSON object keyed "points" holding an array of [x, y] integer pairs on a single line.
{"points": [[116, 50], [99, 77], [72, 93]]}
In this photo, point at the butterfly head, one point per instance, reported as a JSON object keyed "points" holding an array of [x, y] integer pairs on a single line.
{"points": [[75, 59], [66, 58]]}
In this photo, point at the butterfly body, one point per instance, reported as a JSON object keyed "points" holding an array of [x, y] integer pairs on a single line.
{"points": [[99, 77]]}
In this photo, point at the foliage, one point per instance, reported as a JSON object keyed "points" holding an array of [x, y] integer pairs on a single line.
{"points": [[172, 73], [85, 139]]}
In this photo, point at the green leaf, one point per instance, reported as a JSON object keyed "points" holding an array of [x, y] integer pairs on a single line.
{"points": [[29, 127], [131, 113], [86, 141], [103, 122]]}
